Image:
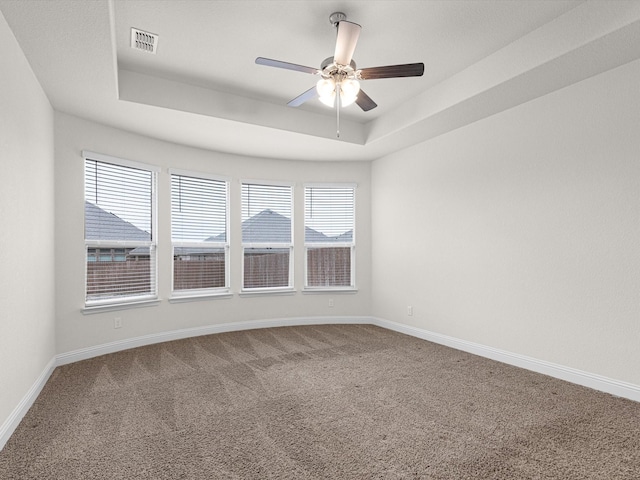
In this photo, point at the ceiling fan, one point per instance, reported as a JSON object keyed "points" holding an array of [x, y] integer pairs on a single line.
{"points": [[339, 85]]}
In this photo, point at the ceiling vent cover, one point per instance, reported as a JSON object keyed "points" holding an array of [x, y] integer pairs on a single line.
{"points": [[145, 41]]}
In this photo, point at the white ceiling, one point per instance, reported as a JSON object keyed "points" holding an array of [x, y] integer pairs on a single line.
{"points": [[204, 89]]}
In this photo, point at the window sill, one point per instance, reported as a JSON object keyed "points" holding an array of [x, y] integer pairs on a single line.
{"points": [[321, 290], [111, 307], [267, 292], [199, 297]]}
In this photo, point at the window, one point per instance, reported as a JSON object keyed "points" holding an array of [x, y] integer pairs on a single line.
{"points": [[329, 221], [119, 231], [199, 235], [267, 241], [107, 254]]}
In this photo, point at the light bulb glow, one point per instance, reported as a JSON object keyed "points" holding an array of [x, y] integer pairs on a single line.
{"points": [[349, 92], [329, 100], [326, 86]]}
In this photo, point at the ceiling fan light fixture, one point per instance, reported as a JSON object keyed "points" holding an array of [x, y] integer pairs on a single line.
{"points": [[329, 100], [326, 88], [349, 89]]}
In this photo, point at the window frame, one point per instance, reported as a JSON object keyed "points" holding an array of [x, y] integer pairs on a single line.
{"points": [[269, 245], [187, 294], [314, 245], [129, 300]]}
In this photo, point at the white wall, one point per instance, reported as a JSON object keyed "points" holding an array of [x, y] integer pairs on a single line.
{"points": [[522, 231], [76, 330], [27, 331]]}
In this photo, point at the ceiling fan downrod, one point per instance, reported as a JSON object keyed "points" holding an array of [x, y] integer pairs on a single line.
{"points": [[336, 17]]}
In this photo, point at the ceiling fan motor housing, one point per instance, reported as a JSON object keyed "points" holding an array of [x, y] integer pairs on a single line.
{"points": [[328, 68]]}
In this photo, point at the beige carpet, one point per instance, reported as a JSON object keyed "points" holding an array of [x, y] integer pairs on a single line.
{"points": [[330, 401]]}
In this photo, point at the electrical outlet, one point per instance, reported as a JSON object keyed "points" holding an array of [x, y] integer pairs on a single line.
{"points": [[331, 303], [117, 322], [410, 310]]}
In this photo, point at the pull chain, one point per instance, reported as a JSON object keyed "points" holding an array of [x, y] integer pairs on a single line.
{"points": [[338, 97]]}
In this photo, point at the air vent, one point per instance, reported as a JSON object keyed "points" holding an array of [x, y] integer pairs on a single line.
{"points": [[145, 41]]}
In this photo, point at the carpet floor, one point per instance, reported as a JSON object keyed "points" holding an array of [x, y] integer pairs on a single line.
{"points": [[317, 402]]}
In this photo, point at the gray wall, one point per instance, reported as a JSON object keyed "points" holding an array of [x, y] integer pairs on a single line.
{"points": [[27, 330], [521, 231]]}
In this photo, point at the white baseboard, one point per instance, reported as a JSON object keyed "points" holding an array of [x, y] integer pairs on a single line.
{"points": [[597, 382], [11, 423], [95, 351], [586, 379]]}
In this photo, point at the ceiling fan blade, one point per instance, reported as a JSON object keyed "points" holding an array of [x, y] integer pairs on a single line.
{"points": [[286, 65], [364, 101], [300, 99], [348, 33], [393, 71]]}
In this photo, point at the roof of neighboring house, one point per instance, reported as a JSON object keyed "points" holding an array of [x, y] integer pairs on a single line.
{"points": [[265, 227], [103, 225], [343, 237], [271, 227]]}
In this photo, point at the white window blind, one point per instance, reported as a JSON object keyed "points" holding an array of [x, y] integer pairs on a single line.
{"points": [[119, 237], [329, 218], [267, 236], [199, 234]]}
